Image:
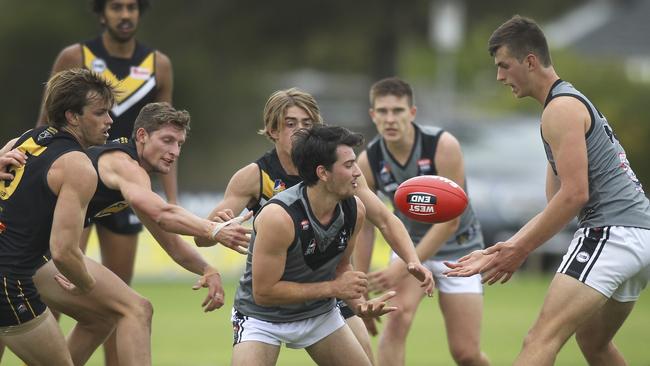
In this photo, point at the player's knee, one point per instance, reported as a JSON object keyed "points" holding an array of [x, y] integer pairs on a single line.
{"points": [[145, 310], [463, 355], [139, 308]]}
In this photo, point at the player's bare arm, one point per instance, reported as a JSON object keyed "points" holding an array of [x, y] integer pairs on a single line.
{"points": [[552, 183], [243, 189], [70, 57], [119, 171], [564, 124], [364, 308], [275, 233], [189, 258], [74, 180], [391, 228]]}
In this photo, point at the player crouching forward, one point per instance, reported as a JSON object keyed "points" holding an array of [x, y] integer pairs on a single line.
{"points": [[299, 260]]}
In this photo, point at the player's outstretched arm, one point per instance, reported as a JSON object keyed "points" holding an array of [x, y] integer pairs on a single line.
{"points": [[242, 189], [391, 227], [118, 171]]}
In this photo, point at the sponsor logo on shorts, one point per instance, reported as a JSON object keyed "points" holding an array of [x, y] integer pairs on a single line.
{"points": [[133, 219], [114, 208], [583, 257], [421, 203]]}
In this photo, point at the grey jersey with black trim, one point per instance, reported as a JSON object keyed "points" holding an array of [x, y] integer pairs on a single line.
{"points": [[389, 174], [616, 197], [313, 256]]}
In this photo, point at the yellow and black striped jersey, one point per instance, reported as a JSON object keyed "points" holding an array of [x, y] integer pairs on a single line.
{"points": [[134, 78]]}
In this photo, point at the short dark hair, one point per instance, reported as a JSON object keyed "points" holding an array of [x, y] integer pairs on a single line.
{"points": [[100, 5], [391, 86], [154, 116], [316, 146], [522, 36], [72, 90]]}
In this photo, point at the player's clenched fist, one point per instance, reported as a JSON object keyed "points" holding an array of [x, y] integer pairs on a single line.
{"points": [[351, 285]]}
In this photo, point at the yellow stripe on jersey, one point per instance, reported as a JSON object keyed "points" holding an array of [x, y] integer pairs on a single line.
{"points": [[267, 186], [29, 147], [129, 85]]}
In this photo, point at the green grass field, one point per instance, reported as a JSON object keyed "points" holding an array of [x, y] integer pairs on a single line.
{"points": [[184, 335]]}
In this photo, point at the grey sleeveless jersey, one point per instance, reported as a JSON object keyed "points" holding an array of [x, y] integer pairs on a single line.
{"points": [[616, 197], [313, 256], [389, 174]]}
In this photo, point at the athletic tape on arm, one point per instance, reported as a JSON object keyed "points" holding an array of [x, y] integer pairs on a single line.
{"points": [[221, 225]]}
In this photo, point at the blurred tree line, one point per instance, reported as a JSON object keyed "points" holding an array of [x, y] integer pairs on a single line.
{"points": [[229, 56]]}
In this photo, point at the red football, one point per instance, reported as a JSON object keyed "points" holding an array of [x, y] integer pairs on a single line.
{"points": [[430, 198]]}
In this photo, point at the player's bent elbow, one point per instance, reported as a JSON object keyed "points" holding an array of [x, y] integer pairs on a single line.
{"points": [[262, 299], [61, 255], [577, 198]]}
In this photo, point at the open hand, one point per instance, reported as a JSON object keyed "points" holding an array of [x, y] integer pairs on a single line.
{"points": [[215, 298], [376, 307], [468, 265]]}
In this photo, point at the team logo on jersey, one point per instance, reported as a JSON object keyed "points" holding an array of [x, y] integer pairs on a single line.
{"points": [[98, 65], [3, 227], [304, 224], [120, 140], [384, 174], [311, 248], [625, 165], [48, 133], [342, 240], [140, 73], [583, 257], [425, 166], [279, 186]]}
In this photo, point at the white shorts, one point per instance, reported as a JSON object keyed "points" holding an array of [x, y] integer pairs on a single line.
{"points": [[613, 260], [297, 334], [451, 285]]}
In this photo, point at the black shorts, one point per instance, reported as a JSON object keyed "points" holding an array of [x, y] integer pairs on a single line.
{"points": [[19, 301], [124, 222], [346, 312]]}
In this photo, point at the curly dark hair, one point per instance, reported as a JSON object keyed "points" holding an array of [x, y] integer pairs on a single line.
{"points": [[317, 146]]}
